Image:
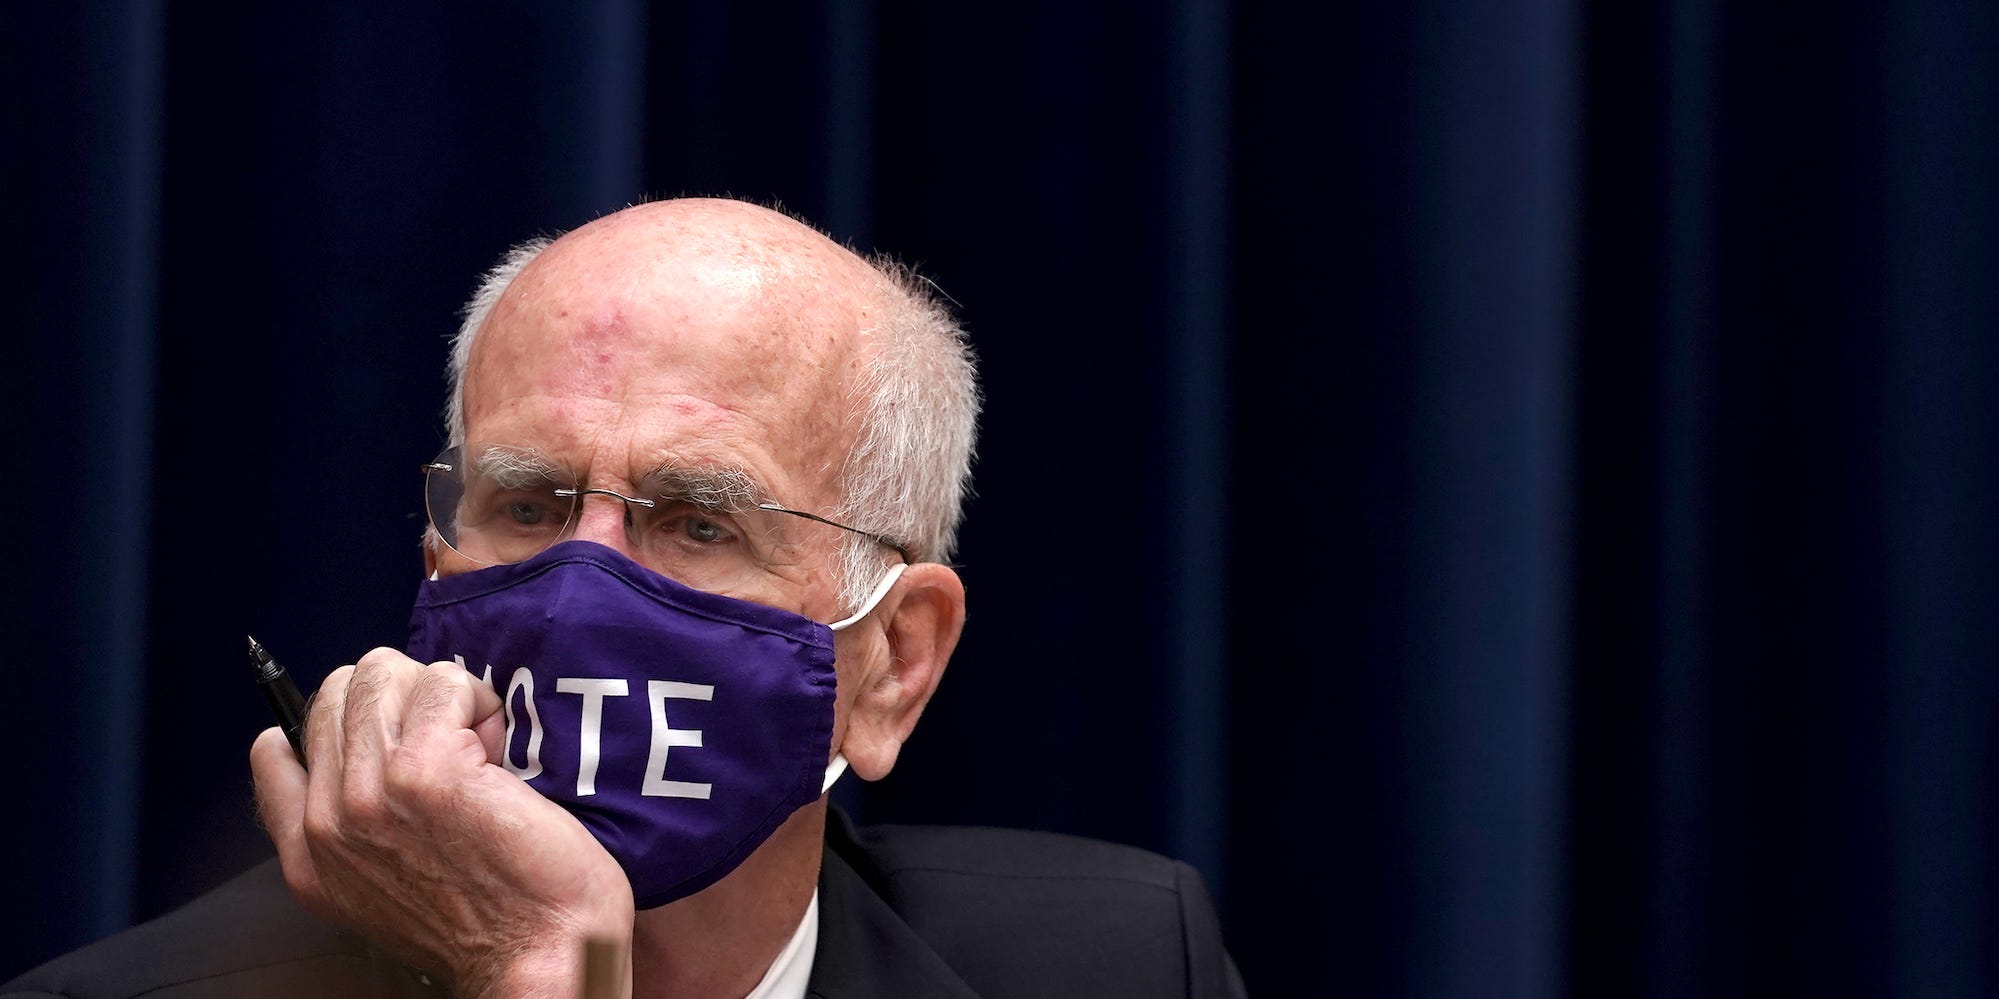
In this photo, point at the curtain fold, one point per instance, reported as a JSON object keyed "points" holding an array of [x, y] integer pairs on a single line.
{"points": [[84, 170]]}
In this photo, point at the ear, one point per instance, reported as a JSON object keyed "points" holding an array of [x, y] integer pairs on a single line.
{"points": [[429, 547], [921, 618]]}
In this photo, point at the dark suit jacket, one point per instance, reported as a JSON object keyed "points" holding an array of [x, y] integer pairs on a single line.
{"points": [[907, 911]]}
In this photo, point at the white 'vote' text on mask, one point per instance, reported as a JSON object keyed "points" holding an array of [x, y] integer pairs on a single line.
{"points": [[594, 690]]}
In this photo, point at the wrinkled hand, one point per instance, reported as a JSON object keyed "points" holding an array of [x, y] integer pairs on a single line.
{"points": [[407, 830]]}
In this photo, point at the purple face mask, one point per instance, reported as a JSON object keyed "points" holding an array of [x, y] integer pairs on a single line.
{"points": [[680, 727]]}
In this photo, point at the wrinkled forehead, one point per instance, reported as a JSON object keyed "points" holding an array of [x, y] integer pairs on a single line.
{"points": [[731, 352]]}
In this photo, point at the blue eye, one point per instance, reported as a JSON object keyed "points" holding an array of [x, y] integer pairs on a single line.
{"points": [[526, 512], [706, 531]]}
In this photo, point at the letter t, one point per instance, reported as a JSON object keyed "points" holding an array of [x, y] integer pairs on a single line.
{"points": [[594, 692]]}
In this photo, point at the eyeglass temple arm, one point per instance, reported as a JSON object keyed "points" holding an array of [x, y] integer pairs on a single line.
{"points": [[899, 550]]}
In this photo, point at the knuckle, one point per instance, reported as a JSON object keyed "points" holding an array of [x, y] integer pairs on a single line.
{"points": [[438, 690], [419, 782], [321, 827], [364, 691], [363, 803], [407, 775], [381, 657], [331, 691]]}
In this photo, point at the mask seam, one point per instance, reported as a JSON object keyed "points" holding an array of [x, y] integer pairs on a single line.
{"points": [[432, 600]]}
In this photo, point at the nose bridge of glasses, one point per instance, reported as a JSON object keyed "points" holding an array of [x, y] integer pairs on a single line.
{"points": [[620, 517]]}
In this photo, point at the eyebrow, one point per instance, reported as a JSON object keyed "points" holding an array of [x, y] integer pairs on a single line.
{"points": [[722, 488], [516, 467]]}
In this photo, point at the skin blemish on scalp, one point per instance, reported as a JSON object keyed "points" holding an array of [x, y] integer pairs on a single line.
{"points": [[596, 343]]}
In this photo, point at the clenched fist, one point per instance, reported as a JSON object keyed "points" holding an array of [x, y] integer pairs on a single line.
{"points": [[407, 830]]}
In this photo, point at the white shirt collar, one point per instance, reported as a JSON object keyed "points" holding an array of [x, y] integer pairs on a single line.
{"points": [[792, 971]]}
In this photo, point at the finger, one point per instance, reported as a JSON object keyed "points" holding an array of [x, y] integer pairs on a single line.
{"points": [[324, 744], [372, 718], [281, 797], [492, 724], [326, 754], [488, 711], [453, 712]]}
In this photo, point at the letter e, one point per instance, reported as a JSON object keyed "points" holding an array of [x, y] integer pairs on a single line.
{"points": [[664, 736]]}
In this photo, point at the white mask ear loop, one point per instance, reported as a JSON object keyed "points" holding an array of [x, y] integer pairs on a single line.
{"points": [[833, 772], [881, 590], [839, 764]]}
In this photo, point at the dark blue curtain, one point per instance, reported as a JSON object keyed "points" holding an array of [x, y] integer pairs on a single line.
{"points": [[1503, 487]]}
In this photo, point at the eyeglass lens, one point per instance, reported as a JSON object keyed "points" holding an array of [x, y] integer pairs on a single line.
{"points": [[500, 511]]}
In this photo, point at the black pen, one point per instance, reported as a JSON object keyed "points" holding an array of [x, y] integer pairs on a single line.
{"points": [[283, 696]]}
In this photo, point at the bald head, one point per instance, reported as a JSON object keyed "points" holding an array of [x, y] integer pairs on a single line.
{"points": [[774, 256], [725, 254], [748, 330]]}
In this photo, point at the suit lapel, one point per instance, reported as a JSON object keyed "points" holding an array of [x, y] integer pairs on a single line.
{"points": [[865, 950]]}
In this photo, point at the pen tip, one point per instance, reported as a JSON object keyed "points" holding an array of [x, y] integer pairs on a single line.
{"points": [[267, 668]]}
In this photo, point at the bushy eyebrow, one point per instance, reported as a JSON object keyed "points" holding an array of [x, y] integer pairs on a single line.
{"points": [[721, 488], [516, 467]]}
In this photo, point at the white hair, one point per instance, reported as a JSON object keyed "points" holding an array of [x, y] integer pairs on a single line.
{"points": [[915, 413], [917, 409], [492, 285]]}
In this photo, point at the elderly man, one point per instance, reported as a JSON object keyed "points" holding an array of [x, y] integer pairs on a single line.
{"points": [[687, 548]]}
